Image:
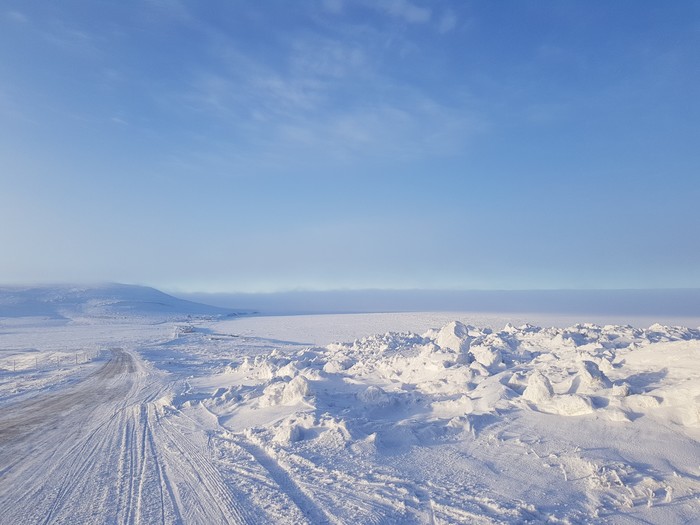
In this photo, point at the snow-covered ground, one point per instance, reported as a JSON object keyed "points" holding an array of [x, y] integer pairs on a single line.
{"points": [[372, 418]]}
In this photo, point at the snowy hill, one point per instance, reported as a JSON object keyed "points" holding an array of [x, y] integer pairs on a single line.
{"points": [[106, 300]]}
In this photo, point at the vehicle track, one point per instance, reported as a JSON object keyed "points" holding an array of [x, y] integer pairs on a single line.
{"points": [[310, 509], [99, 452]]}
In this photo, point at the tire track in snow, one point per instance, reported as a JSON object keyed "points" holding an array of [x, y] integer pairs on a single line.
{"points": [[94, 453], [130, 452], [56, 454], [316, 514], [145, 473], [195, 471]]}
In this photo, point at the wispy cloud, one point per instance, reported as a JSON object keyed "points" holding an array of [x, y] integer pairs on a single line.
{"points": [[399, 12], [172, 9], [313, 72], [333, 6], [325, 99], [447, 22], [321, 96], [60, 33], [404, 9], [415, 127], [55, 30], [16, 16], [326, 57]]}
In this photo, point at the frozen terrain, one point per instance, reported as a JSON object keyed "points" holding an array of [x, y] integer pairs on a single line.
{"points": [[120, 407]]}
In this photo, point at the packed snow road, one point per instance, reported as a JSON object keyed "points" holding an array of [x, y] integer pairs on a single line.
{"points": [[18, 422], [100, 452]]}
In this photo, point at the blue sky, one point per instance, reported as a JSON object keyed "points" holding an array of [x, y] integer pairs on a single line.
{"points": [[274, 145]]}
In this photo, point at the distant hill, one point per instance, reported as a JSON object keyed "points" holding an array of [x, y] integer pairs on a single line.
{"points": [[104, 300]]}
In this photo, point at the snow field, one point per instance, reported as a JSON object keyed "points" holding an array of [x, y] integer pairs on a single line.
{"points": [[195, 422], [467, 424]]}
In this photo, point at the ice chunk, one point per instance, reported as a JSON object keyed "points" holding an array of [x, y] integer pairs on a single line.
{"points": [[592, 376], [296, 389], [572, 405], [486, 355], [285, 393], [454, 336], [539, 389], [288, 434], [374, 395]]}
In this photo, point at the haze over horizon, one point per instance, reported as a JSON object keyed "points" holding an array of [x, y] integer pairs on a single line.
{"points": [[333, 144], [603, 307]]}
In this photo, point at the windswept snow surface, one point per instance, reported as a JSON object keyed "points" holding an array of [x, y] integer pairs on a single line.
{"points": [[146, 420]]}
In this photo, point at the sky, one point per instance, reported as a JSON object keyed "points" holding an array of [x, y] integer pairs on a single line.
{"points": [[236, 146]]}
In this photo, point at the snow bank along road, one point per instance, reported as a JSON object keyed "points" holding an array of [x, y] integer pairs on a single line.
{"points": [[201, 422]]}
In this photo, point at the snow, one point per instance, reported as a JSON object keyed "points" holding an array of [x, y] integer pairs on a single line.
{"points": [[106, 300], [539, 390], [156, 417]]}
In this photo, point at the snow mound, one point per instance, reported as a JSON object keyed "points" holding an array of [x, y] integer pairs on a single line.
{"points": [[570, 405], [539, 388], [592, 377], [487, 353], [374, 395], [454, 336], [282, 392]]}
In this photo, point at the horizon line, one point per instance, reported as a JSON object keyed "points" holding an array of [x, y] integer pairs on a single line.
{"points": [[176, 290]]}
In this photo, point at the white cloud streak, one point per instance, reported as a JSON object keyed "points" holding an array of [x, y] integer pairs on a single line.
{"points": [[16, 16], [403, 9], [323, 98], [333, 6], [331, 103], [447, 22]]}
